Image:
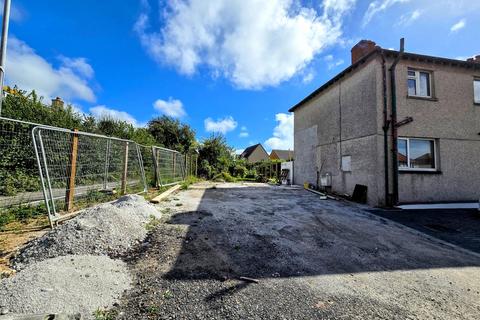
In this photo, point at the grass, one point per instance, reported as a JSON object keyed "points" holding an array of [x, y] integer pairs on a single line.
{"points": [[167, 294], [152, 224], [189, 181], [104, 314]]}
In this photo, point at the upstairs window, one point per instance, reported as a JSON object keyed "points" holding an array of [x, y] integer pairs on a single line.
{"points": [[416, 154], [419, 84], [476, 90]]}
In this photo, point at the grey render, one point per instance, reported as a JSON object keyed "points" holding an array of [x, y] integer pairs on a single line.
{"points": [[345, 118]]}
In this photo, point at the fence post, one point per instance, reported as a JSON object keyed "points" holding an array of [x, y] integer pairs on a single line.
{"points": [[155, 167], [196, 166], [107, 164], [69, 196], [174, 163], [125, 170]]}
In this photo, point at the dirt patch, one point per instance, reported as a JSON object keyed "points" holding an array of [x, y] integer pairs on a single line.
{"points": [[312, 258]]}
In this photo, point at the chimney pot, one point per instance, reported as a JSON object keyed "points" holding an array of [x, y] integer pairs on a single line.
{"points": [[361, 49]]}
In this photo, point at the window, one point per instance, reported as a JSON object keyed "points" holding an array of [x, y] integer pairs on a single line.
{"points": [[476, 90], [419, 84], [416, 154]]}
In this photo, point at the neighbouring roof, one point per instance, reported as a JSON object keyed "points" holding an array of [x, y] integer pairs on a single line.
{"points": [[389, 54], [284, 154], [248, 151]]}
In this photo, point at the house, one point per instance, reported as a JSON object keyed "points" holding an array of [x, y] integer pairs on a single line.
{"points": [[406, 126], [255, 153], [287, 155]]}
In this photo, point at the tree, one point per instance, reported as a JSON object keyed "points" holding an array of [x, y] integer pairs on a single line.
{"points": [[172, 134], [215, 156]]}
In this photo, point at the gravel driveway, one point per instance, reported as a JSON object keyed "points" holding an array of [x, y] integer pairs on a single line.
{"points": [[313, 259]]}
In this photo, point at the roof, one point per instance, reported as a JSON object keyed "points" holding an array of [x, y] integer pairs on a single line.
{"points": [[248, 151], [387, 53], [284, 154]]}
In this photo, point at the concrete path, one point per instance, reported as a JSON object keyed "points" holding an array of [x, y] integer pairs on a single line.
{"points": [[313, 259]]}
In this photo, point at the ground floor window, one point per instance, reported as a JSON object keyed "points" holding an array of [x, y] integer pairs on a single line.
{"points": [[416, 154]]}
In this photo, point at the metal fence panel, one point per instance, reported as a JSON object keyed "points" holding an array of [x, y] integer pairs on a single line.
{"points": [[47, 170], [79, 168], [170, 166]]}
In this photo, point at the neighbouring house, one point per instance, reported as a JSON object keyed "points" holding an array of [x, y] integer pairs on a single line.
{"points": [[406, 126], [287, 155], [255, 153]]}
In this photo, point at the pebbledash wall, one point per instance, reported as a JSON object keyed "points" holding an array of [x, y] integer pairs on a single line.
{"points": [[344, 118]]}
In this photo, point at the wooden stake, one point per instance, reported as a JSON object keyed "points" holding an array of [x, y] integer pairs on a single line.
{"points": [[72, 171], [125, 170], [174, 163]]}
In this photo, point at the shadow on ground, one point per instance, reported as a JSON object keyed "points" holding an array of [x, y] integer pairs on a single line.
{"points": [[265, 233], [458, 226]]}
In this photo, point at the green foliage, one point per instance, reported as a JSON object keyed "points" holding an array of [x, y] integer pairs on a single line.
{"points": [[189, 181], [171, 133], [21, 213], [152, 223], [223, 176], [215, 156], [103, 314]]}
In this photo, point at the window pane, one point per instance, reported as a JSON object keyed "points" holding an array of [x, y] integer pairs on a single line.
{"points": [[424, 84], [412, 87], [476, 90], [411, 73], [421, 154], [402, 153]]}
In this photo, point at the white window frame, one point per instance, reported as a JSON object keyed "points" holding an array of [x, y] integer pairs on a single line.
{"points": [[475, 80], [408, 168], [416, 77]]}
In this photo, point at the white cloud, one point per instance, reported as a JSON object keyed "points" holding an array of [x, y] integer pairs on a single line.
{"points": [[332, 63], [243, 132], [100, 112], [408, 18], [29, 71], [458, 26], [221, 125], [241, 42], [308, 77], [378, 6], [282, 133], [172, 107], [79, 65]]}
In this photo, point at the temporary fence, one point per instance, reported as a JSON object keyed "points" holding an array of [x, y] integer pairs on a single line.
{"points": [[53, 170], [79, 166]]}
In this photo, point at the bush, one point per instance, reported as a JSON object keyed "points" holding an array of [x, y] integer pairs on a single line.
{"points": [[240, 171]]}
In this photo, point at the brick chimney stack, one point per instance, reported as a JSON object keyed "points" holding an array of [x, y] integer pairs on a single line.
{"points": [[57, 103], [361, 49]]}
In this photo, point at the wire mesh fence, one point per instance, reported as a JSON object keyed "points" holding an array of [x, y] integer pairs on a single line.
{"points": [[169, 166], [21, 194], [79, 168], [50, 171]]}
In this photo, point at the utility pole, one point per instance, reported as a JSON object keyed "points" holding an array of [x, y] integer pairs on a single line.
{"points": [[3, 47]]}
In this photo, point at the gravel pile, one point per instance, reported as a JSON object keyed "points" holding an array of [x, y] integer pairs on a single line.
{"points": [[107, 229], [69, 284]]}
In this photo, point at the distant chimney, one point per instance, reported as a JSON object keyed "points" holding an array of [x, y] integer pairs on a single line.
{"points": [[57, 103], [474, 59], [361, 49]]}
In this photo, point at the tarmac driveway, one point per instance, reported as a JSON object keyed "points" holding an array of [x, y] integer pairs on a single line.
{"points": [[313, 259]]}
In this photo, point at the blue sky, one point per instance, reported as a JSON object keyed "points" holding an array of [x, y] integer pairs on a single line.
{"points": [[233, 66]]}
